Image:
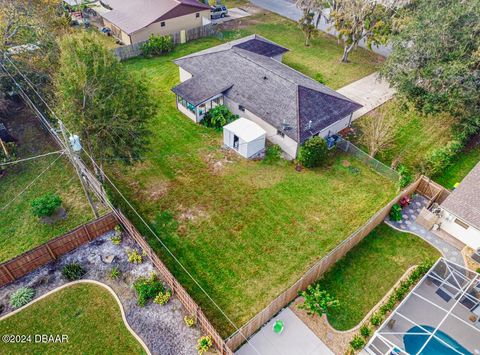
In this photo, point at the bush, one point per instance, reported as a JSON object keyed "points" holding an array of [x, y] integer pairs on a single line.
{"points": [[320, 78], [357, 342], [365, 331], [21, 297], [273, 154], [46, 205], [73, 272], [313, 152], [162, 297], [157, 45], [115, 273], [376, 319], [441, 158], [147, 289], [218, 117], [134, 256], [189, 321], [317, 301], [203, 344], [396, 213], [406, 176]]}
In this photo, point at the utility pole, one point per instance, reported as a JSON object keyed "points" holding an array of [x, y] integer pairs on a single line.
{"points": [[73, 158]]}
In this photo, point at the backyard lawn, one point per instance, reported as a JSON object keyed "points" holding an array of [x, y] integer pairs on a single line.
{"points": [[87, 314], [363, 277], [464, 162], [245, 230], [20, 231], [415, 134]]}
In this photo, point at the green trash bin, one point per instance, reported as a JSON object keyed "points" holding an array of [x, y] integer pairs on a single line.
{"points": [[278, 327]]}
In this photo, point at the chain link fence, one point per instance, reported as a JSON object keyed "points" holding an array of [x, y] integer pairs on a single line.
{"points": [[378, 166]]}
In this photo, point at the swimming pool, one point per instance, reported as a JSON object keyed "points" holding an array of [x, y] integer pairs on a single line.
{"points": [[413, 343]]}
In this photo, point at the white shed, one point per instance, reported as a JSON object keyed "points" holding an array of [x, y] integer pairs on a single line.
{"points": [[244, 136]]}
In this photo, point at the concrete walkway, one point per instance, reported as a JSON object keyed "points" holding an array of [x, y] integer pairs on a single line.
{"points": [[287, 8], [408, 224], [370, 91], [296, 339]]}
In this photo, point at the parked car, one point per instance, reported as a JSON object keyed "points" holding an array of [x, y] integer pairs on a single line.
{"points": [[218, 11]]}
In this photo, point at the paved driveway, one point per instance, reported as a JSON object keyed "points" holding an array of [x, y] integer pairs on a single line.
{"points": [[287, 8], [370, 91], [233, 14], [296, 339]]}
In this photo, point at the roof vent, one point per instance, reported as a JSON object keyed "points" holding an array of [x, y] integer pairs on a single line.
{"points": [[265, 77], [310, 124], [286, 126]]}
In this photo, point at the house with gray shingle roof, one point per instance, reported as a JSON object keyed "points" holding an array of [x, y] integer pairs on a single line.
{"points": [[461, 210], [248, 76]]}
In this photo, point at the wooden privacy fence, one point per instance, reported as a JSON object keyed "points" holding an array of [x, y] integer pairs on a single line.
{"points": [[135, 49], [433, 191], [29, 261], [317, 270], [177, 289]]}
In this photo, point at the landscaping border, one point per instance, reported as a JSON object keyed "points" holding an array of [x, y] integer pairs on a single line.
{"points": [[108, 288], [31, 260], [422, 185]]}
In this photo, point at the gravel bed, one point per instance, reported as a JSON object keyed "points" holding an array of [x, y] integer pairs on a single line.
{"points": [[161, 327]]}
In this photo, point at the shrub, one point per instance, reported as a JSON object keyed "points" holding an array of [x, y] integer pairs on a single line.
{"points": [[203, 344], [73, 271], [357, 342], [218, 117], [116, 239], [317, 301], [157, 45], [396, 213], [478, 270], [441, 158], [134, 256], [273, 154], [376, 319], [115, 273], [406, 176], [404, 201], [320, 78], [313, 152], [189, 321], [21, 297], [162, 297], [46, 205], [365, 331], [147, 288]]}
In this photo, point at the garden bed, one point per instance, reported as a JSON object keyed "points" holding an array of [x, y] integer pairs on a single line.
{"points": [[161, 327]]}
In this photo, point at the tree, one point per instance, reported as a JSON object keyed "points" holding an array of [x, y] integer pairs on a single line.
{"points": [[316, 7], [313, 152], [101, 101], [357, 20], [435, 60], [307, 26], [317, 301], [377, 131]]}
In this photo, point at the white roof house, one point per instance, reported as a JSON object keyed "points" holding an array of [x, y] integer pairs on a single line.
{"points": [[245, 137]]}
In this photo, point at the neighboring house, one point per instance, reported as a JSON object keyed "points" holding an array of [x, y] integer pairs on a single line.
{"points": [[248, 77], [461, 210], [134, 21]]}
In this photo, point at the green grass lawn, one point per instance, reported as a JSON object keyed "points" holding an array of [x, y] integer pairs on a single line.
{"points": [[464, 162], [20, 231], [415, 134], [245, 230], [87, 314], [363, 277], [320, 60]]}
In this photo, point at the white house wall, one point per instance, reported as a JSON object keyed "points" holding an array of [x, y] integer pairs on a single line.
{"points": [[336, 127], [287, 144], [469, 236]]}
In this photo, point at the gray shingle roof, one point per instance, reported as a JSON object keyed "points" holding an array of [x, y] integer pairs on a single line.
{"points": [[464, 201], [280, 95]]}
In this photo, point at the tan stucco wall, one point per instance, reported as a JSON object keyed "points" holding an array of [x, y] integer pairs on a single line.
{"points": [[287, 144], [171, 26], [121, 35]]}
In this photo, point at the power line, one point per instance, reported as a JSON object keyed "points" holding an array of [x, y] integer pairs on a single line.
{"points": [[133, 209], [31, 183], [31, 158]]}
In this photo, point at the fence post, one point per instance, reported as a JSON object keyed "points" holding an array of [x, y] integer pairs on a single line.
{"points": [[50, 251], [9, 273]]}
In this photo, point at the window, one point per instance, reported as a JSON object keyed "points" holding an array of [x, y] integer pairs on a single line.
{"points": [[241, 108], [197, 15], [162, 24], [461, 223], [280, 133]]}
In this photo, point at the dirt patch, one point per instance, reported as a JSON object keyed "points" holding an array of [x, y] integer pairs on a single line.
{"points": [[191, 214], [218, 161], [346, 163], [155, 190]]}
